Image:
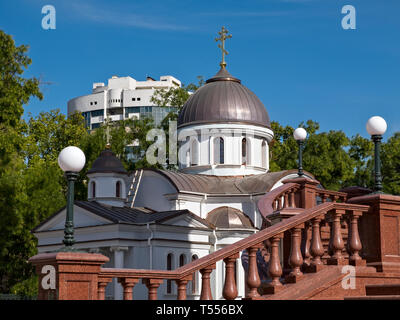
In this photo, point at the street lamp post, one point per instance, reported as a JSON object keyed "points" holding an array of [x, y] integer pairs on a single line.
{"points": [[376, 127], [71, 160], [300, 134]]}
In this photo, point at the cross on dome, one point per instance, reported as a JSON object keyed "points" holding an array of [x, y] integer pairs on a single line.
{"points": [[223, 36]]}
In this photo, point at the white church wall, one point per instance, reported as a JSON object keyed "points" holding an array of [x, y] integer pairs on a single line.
{"points": [[105, 188], [232, 135], [151, 192]]}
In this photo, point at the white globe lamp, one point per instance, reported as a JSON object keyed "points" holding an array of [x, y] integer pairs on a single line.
{"points": [[376, 127], [71, 160], [300, 134]]}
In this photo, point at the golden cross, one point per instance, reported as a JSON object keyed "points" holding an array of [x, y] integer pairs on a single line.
{"points": [[223, 36]]}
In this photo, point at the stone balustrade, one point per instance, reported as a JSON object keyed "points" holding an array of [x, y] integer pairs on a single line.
{"points": [[306, 258], [304, 254]]}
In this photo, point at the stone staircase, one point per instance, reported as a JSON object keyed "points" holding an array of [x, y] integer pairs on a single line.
{"points": [[321, 245]]}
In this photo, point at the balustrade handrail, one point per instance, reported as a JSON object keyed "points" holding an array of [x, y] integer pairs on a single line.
{"points": [[341, 195], [230, 250], [265, 204], [137, 273], [266, 234]]}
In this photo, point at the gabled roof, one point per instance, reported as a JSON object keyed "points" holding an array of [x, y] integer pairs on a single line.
{"points": [[138, 215]]}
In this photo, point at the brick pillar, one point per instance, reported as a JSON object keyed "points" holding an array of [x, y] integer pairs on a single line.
{"points": [[68, 275], [379, 230], [306, 198]]}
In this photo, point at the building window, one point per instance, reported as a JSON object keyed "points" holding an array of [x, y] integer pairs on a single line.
{"points": [[245, 151], [182, 260], [133, 99], [195, 153], [93, 189], [138, 99], [170, 258], [264, 154], [195, 277], [97, 113], [95, 102], [118, 189], [219, 157], [91, 103]]}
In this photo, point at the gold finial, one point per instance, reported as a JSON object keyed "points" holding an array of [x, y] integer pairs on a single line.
{"points": [[223, 36]]}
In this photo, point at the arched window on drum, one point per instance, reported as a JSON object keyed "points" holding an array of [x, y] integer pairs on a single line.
{"points": [[219, 151]]}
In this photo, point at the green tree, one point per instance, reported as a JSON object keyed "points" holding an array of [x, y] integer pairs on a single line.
{"points": [[15, 91], [324, 154], [391, 165], [361, 151], [175, 96]]}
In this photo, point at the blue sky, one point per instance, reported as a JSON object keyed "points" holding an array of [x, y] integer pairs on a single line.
{"points": [[294, 54]]}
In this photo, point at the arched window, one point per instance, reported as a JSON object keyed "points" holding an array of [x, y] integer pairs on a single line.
{"points": [[118, 189], [170, 258], [195, 152], [182, 260], [93, 189], [245, 151], [264, 154], [195, 276], [219, 156]]}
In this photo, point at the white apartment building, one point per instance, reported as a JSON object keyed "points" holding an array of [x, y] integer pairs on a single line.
{"points": [[122, 98]]}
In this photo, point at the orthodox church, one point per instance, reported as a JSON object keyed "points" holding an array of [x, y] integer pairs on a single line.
{"points": [[160, 219]]}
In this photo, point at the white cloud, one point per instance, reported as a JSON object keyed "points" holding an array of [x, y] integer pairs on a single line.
{"points": [[117, 16]]}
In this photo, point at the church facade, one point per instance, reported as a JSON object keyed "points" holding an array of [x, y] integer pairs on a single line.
{"points": [[160, 219]]}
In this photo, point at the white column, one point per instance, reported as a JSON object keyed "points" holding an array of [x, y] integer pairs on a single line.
{"points": [[118, 263]]}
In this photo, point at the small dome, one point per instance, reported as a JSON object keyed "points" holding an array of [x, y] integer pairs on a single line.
{"points": [[107, 162], [223, 99], [227, 217]]}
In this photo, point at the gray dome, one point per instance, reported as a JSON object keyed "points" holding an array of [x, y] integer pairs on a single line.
{"points": [[223, 99], [107, 162]]}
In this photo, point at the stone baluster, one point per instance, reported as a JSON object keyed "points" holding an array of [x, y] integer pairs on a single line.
{"points": [[336, 239], [253, 278], [152, 286], [205, 283], [295, 257], [275, 205], [128, 284], [316, 248], [230, 291], [101, 287], [286, 200], [354, 242], [292, 199], [182, 287], [330, 245], [305, 244], [275, 268]]}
